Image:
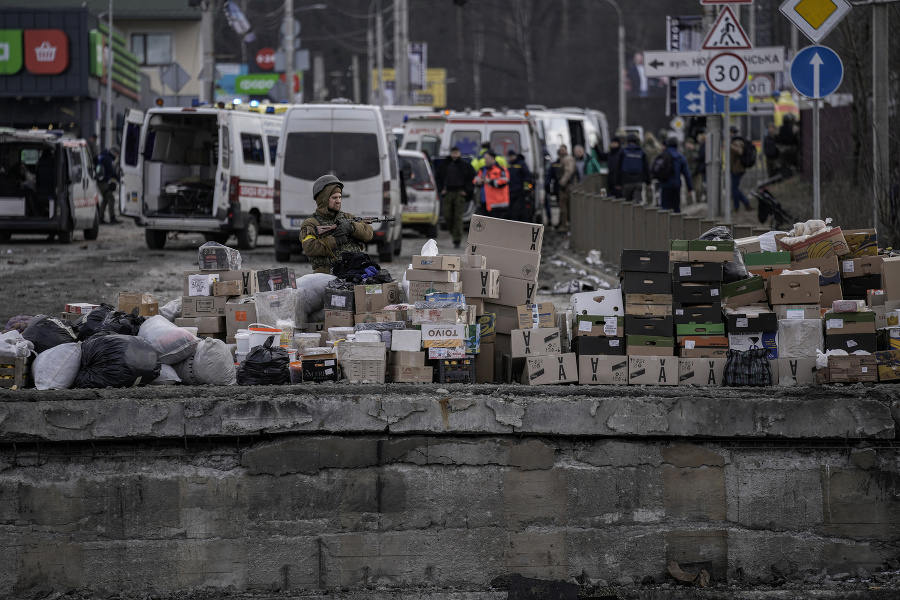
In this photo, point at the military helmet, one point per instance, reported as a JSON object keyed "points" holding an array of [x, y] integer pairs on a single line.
{"points": [[324, 180]]}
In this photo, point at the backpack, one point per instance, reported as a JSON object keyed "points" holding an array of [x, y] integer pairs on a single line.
{"points": [[748, 158], [632, 161], [101, 171], [663, 167]]}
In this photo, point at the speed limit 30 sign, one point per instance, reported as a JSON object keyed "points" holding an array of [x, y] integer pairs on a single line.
{"points": [[726, 73]]}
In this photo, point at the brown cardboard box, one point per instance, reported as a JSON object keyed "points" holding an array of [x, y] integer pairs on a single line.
{"points": [[516, 235], [441, 262], [862, 242], [418, 289], [890, 278], [745, 292], [800, 370], [484, 364], [400, 374], [487, 324], [829, 293], [339, 318], [827, 243], [507, 317], [480, 283], [432, 275], [203, 324], [701, 371], [472, 261], [852, 369], [477, 304], [146, 305], [536, 315], [648, 305], [515, 292], [828, 266], [550, 369], [652, 370], [247, 277], [370, 318], [373, 298], [446, 316], [535, 342], [202, 306], [238, 315], [857, 267], [597, 370], [796, 288], [228, 288], [748, 244], [443, 336], [646, 345], [405, 358], [517, 264]]}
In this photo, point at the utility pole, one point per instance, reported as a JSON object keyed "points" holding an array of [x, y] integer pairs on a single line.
{"points": [[713, 143], [881, 166], [289, 49], [401, 52], [370, 60], [207, 72], [109, 77], [354, 65], [379, 53]]}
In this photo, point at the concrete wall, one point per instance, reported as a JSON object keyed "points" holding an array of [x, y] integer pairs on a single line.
{"points": [[421, 488]]}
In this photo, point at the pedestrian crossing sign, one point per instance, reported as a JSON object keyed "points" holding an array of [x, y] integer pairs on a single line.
{"points": [[726, 33]]}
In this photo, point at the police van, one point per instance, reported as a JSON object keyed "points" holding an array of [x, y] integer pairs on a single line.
{"points": [[47, 186], [207, 169]]}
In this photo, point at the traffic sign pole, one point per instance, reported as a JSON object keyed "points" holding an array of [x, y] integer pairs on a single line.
{"points": [[727, 137], [817, 167]]}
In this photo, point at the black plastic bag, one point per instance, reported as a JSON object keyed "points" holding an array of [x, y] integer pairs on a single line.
{"points": [[46, 332], [90, 323], [114, 360], [734, 270], [122, 322], [265, 365]]}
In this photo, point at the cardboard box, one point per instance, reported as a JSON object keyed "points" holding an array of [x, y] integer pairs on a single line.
{"points": [[766, 264], [755, 340], [857, 267], [875, 298], [598, 370], [536, 315], [652, 370], [646, 345], [802, 371], [477, 304], [454, 353], [408, 340], [551, 369], [213, 258], [516, 235], [699, 313], [890, 277], [517, 264], [339, 318], [703, 346], [247, 277], [852, 342], [796, 288], [202, 284], [443, 336], [80, 308], [744, 292], [343, 300], [745, 319], [826, 243], [432, 275], [800, 338], [515, 292], [203, 306], [888, 363], [706, 329], [371, 298], [849, 323], [857, 288], [701, 371], [472, 261], [371, 318], [699, 272], [644, 261], [535, 342], [473, 339], [441, 262], [238, 315], [601, 302], [406, 358], [488, 325], [228, 289], [678, 251], [649, 326], [852, 369], [648, 305], [594, 346], [146, 305], [693, 292], [411, 374], [506, 317], [606, 326], [861, 242], [445, 316], [203, 324], [709, 251], [829, 293], [480, 283], [419, 289], [797, 311], [829, 268], [319, 368], [484, 364], [270, 280], [748, 244], [646, 283]]}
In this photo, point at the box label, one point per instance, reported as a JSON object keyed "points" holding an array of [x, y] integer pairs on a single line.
{"points": [[610, 326]]}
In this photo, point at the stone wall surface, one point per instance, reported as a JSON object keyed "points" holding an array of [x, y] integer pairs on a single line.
{"points": [[429, 488]]}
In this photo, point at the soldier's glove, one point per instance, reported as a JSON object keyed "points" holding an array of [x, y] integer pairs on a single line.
{"points": [[343, 232]]}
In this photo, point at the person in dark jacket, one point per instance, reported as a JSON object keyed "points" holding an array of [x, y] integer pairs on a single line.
{"points": [[613, 188], [670, 189], [632, 169], [107, 176], [329, 232], [770, 150], [454, 180], [521, 182]]}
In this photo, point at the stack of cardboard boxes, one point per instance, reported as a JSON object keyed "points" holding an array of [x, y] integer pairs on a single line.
{"points": [[598, 337], [350, 305], [217, 300]]}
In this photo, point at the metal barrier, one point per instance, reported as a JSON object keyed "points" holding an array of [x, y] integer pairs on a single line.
{"points": [[611, 225]]}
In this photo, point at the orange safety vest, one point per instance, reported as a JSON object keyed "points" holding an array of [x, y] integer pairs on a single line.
{"points": [[494, 197]]}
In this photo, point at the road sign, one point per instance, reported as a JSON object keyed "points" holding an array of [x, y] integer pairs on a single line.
{"points": [[760, 86], [816, 71], [726, 34], [695, 98], [692, 63], [815, 18], [175, 77], [265, 59], [726, 73], [761, 109]]}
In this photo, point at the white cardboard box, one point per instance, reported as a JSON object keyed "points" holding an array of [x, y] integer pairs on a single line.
{"points": [[406, 340]]}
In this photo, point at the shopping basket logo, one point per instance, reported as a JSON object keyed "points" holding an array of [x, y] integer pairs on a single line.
{"points": [[46, 51]]}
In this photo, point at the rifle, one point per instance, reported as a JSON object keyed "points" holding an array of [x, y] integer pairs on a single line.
{"points": [[331, 228]]}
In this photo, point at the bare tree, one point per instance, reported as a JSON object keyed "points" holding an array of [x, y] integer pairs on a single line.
{"points": [[520, 13], [477, 57]]}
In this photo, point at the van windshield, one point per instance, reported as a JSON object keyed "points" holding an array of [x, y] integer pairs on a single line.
{"points": [[349, 156]]}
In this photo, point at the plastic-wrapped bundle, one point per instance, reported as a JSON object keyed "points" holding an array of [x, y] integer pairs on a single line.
{"points": [[46, 332], [115, 360], [211, 363], [265, 365]]}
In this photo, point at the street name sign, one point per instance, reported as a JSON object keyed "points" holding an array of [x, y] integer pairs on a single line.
{"points": [[692, 63], [816, 72], [695, 98], [726, 34], [815, 18]]}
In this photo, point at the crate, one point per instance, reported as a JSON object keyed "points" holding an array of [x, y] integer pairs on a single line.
{"points": [[370, 371], [456, 370], [14, 372]]}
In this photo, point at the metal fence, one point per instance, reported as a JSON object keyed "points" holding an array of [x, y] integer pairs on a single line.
{"points": [[611, 225]]}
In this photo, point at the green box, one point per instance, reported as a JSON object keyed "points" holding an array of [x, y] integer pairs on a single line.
{"points": [[678, 251], [700, 329], [744, 286], [866, 316], [767, 259], [643, 340]]}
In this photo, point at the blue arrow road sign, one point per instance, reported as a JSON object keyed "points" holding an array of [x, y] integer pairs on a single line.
{"points": [[696, 99], [817, 71]]}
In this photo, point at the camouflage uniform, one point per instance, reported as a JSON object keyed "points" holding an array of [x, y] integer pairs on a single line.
{"points": [[324, 250]]}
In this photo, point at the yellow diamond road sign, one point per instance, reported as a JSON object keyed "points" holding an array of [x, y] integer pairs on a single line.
{"points": [[815, 18]]}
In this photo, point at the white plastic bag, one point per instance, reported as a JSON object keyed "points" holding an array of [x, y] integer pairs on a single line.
{"points": [[12, 344], [167, 376], [274, 306], [172, 344], [212, 363], [430, 248], [171, 310], [313, 286], [56, 368]]}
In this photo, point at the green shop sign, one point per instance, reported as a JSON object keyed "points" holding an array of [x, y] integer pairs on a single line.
{"points": [[257, 84], [10, 51]]}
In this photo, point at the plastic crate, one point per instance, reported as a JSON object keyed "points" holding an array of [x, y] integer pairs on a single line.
{"points": [[14, 372], [456, 370]]}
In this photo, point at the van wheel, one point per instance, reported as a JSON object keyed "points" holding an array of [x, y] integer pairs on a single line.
{"points": [[432, 231], [385, 253], [156, 240], [94, 231], [246, 237], [282, 256], [65, 237], [398, 246]]}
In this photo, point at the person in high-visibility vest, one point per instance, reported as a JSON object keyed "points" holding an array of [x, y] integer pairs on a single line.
{"points": [[477, 163], [492, 182]]}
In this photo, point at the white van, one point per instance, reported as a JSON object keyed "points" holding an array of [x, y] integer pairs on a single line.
{"points": [[209, 170], [352, 142], [47, 186], [424, 133]]}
